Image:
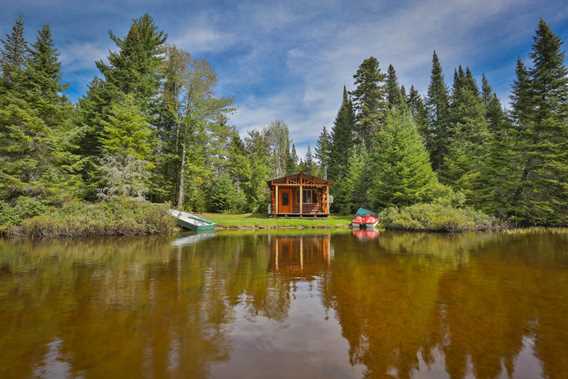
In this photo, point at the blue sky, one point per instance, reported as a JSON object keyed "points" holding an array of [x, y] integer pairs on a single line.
{"points": [[288, 60]]}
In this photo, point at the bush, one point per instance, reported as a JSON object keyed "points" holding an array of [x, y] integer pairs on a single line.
{"points": [[15, 213], [117, 216], [437, 217]]}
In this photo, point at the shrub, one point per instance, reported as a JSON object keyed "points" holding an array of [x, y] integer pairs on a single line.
{"points": [[23, 207], [117, 216], [437, 217]]}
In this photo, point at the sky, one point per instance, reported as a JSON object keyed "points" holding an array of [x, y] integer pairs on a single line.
{"points": [[289, 60]]}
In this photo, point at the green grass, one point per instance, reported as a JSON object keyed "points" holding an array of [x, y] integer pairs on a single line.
{"points": [[254, 221]]}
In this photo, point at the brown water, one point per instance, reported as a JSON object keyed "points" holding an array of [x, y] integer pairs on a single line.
{"points": [[285, 306]]}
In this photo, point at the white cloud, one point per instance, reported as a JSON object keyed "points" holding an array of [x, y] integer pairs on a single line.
{"points": [[203, 37], [328, 55], [82, 55]]}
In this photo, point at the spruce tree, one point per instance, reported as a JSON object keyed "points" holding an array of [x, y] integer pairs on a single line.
{"points": [[135, 67], [394, 94], [486, 90], [323, 151], [401, 170], [369, 100], [418, 110], [14, 53], [542, 197], [342, 138], [292, 162], [468, 136], [437, 105], [350, 191], [309, 166]]}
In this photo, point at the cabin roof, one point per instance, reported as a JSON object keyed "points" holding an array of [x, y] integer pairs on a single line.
{"points": [[300, 176]]}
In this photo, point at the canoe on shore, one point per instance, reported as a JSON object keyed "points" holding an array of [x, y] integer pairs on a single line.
{"points": [[191, 221]]}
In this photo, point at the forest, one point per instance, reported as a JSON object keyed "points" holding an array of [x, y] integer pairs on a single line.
{"points": [[151, 127]]}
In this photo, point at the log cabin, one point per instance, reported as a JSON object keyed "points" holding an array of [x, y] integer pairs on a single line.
{"points": [[299, 195]]}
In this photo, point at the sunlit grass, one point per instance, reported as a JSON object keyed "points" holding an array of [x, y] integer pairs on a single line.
{"points": [[248, 220]]}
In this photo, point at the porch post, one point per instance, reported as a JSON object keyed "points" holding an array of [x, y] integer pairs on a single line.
{"points": [[301, 200], [277, 200], [327, 199]]}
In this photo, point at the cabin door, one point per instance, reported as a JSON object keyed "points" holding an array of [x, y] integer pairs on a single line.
{"points": [[285, 205]]}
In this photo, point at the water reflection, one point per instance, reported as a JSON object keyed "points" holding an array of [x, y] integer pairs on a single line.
{"points": [[329, 306]]}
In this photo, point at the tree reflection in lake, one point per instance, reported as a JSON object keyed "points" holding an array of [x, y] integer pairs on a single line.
{"points": [[401, 305]]}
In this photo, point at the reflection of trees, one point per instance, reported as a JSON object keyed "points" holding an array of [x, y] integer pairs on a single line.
{"points": [[477, 305], [404, 301]]}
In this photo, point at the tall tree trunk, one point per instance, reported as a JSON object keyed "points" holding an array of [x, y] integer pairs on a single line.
{"points": [[181, 178]]}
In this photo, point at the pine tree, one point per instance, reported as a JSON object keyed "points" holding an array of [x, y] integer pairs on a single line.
{"points": [[350, 191], [437, 105], [135, 67], [126, 131], [401, 170], [309, 166], [521, 97], [418, 111], [486, 90], [542, 195], [394, 94], [292, 162], [468, 136], [369, 100], [323, 151], [14, 53], [342, 138]]}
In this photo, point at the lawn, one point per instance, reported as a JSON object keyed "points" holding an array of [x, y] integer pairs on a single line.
{"points": [[249, 220]]}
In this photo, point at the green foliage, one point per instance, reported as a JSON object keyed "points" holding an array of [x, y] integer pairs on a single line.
{"points": [[436, 217], [400, 166], [323, 150], [119, 216], [369, 100], [126, 131], [22, 208], [225, 196], [541, 112], [350, 190], [341, 137], [13, 55], [394, 93], [437, 105]]}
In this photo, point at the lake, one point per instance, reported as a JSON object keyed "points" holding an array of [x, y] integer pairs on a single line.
{"points": [[284, 305]]}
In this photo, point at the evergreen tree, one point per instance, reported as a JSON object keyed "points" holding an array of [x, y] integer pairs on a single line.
{"points": [[403, 93], [350, 191], [437, 105], [369, 100], [126, 131], [402, 174], [323, 151], [292, 166], [342, 138], [486, 90], [468, 136], [135, 67], [418, 111], [258, 152], [521, 97], [394, 94], [309, 166], [542, 196], [14, 53]]}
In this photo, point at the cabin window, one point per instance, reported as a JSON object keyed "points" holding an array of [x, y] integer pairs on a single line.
{"points": [[309, 196], [284, 198]]}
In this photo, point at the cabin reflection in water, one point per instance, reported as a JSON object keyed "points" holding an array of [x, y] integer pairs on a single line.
{"points": [[304, 256]]}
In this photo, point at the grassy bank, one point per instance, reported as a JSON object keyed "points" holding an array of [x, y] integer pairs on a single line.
{"points": [[119, 217], [253, 221], [438, 218]]}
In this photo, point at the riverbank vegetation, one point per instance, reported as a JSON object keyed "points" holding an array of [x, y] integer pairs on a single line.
{"points": [[255, 221], [118, 216], [151, 128]]}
